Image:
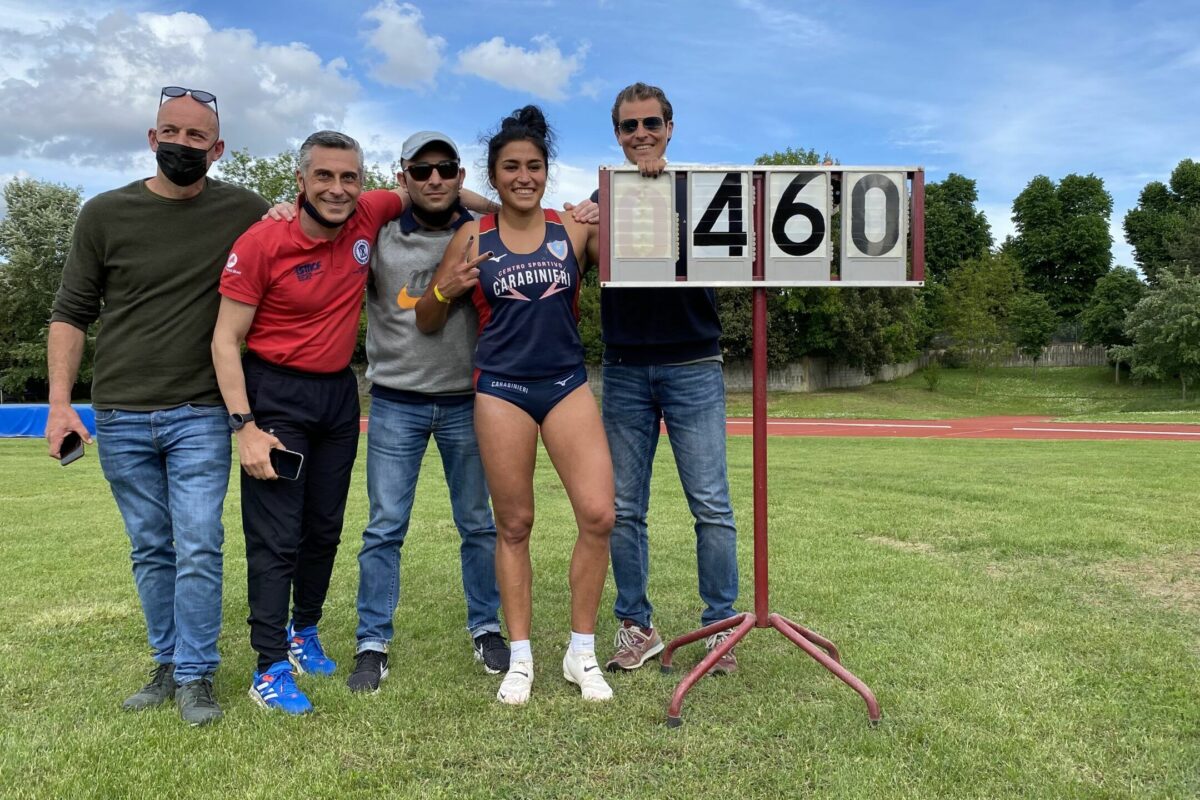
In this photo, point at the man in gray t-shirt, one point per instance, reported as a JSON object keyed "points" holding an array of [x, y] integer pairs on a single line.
{"points": [[421, 387]]}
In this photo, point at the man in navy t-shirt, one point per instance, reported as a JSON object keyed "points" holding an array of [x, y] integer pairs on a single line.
{"points": [[662, 363]]}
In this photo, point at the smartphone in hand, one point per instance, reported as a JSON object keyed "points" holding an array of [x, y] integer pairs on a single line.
{"points": [[287, 463], [71, 449]]}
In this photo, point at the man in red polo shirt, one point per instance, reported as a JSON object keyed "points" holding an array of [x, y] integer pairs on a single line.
{"points": [[292, 292]]}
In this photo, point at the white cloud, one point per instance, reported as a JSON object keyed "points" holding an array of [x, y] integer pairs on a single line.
{"points": [[91, 86], [411, 57], [785, 25], [544, 72]]}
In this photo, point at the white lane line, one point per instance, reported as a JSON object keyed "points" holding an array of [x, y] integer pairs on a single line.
{"points": [[840, 424], [1105, 430]]}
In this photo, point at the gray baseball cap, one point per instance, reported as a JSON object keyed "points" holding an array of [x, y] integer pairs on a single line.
{"points": [[418, 141]]}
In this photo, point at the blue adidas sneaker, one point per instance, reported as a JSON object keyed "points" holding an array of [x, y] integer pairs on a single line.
{"points": [[305, 652], [276, 688]]}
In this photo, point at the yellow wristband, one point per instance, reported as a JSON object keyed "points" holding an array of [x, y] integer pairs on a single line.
{"points": [[441, 298]]}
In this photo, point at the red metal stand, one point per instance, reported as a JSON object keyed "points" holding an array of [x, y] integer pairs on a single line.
{"points": [[816, 646]]}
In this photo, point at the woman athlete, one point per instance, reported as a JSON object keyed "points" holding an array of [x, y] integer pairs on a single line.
{"points": [[520, 268]]}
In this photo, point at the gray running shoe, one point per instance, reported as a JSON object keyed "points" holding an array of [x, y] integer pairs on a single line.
{"points": [[196, 703], [160, 689], [726, 664], [635, 646]]}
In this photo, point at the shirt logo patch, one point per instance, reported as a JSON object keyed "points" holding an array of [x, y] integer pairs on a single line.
{"points": [[558, 249], [362, 251], [231, 264], [306, 271]]}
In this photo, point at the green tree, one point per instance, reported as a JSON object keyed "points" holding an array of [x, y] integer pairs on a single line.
{"points": [[275, 178], [980, 295], [1183, 243], [589, 317], [1103, 321], [955, 231], [1062, 242], [1160, 210], [35, 238], [1165, 328], [1033, 324]]}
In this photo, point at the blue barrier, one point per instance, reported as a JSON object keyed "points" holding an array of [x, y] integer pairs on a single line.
{"points": [[29, 419]]}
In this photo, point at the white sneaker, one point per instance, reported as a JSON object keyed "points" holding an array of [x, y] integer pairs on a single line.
{"points": [[517, 683], [584, 671]]}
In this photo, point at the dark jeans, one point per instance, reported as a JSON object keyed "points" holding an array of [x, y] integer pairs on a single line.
{"points": [[293, 528]]}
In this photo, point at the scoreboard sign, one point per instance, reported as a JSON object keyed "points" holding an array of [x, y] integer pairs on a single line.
{"points": [[714, 226]]}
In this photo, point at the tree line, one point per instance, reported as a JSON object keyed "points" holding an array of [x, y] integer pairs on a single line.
{"points": [[982, 300]]}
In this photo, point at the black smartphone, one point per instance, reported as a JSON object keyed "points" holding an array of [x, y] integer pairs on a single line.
{"points": [[287, 464], [71, 449]]}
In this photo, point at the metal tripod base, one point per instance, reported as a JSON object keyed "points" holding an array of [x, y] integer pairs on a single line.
{"points": [[818, 647]]}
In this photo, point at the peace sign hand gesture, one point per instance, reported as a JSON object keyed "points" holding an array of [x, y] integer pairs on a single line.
{"points": [[462, 276]]}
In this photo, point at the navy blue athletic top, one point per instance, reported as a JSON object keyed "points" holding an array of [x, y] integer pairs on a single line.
{"points": [[528, 305]]}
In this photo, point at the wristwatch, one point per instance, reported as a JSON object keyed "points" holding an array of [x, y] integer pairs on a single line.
{"points": [[238, 421]]}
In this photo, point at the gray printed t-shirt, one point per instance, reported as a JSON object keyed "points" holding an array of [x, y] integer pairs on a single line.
{"points": [[399, 356]]}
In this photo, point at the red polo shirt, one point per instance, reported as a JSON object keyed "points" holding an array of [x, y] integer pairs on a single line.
{"points": [[309, 292]]}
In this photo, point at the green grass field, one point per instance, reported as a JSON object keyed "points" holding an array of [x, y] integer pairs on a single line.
{"points": [[1066, 393], [1028, 614]]}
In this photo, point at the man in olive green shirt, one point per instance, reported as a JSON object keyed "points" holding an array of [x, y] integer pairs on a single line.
{"points": [[146, 259]]}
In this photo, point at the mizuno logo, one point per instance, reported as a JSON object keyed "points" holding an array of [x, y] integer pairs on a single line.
{"points": [[563, 382], [497, 258]]}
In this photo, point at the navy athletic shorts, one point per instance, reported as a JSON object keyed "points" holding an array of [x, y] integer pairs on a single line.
{"points": [[536, 398]]}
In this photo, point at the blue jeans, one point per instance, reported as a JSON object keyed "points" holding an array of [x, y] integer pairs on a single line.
{"points": [[690, 398], [397, 436], [168, 471]]}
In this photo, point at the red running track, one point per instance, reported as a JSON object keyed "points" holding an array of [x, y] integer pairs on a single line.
{"points": [[970, 428]]}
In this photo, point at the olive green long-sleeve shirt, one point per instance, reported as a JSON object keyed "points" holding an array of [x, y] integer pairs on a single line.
{"points": [[148, 267]]}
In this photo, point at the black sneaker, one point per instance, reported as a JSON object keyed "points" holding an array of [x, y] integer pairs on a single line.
{"points": [[492, 651], [196, 703], [370, 667], [160, 689]]}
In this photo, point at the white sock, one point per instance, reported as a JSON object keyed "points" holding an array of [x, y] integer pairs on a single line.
{"points": [[583, 643], [520, 650]]}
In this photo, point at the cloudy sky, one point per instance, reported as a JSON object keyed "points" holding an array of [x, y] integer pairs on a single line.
{"points": [[1000, 92]]}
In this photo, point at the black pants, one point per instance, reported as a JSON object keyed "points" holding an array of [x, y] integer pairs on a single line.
{"points": [[293, 528]]}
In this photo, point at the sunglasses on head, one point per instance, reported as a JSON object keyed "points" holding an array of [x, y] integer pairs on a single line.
{"points": [[628, 126], [199, 95], [421, 170]]}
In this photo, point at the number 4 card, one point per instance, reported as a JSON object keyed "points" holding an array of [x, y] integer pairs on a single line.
{"points": [[719, 245]]}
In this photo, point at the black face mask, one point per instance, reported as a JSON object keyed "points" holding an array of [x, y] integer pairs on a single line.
{"points": [[182, 165], [316, 215], [435, 219]]}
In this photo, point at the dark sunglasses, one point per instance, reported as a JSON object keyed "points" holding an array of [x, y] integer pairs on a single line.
{"points": [[199, 95], [628, 126], [421, 170]]}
